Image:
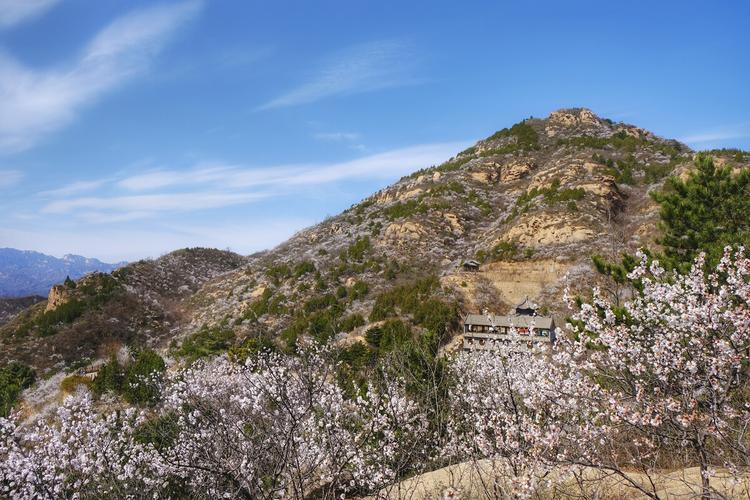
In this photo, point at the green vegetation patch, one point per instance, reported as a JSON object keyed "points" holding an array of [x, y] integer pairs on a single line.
{"points": [[269, 302], [447, 188], [505, 251], [706, 212], [351, 322], [448, 166], [48, 322], [655, 172], [14, 378], [551, 195], [624, 170], [480, 202], [279, 272], [405, 209], [389, 335], [206, 342], [250, 347], [71, 383], [138, 382], [624, 142], [302, 268], [526, 139], [734, 153], [359, 249], [417, 299]]}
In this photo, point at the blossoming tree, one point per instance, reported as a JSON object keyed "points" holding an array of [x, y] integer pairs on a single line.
{"points": [[659, 381], [673, 366]]}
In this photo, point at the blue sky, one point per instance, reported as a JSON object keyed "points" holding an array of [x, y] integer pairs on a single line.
{"points": [[128, 129]]}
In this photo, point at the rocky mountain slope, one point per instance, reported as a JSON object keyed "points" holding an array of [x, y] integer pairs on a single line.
{"points": [[532, 203], [24, 273]]}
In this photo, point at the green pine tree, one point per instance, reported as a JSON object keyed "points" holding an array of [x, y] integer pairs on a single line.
{"points": [[704, 213], [69, 283]]}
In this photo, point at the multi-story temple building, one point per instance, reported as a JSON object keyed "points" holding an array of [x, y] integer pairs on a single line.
{"points": [[522, 326]]}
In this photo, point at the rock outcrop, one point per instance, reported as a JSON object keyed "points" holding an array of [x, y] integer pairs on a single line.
{"points": [[58, 295]]}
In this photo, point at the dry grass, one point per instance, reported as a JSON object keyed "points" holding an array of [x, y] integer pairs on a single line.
{"points": [[479, 480]]}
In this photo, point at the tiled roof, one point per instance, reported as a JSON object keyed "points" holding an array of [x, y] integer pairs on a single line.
{"points": [[519, 321]]}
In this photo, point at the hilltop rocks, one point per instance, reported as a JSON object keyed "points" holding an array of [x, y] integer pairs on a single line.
{"points": [[572, 118], [578, 121]]}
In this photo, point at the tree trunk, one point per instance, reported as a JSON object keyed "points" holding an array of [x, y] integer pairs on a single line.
{"points": [[705, 485]]}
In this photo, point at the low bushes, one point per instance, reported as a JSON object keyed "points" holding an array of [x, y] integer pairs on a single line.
{"points": [[137, 382], [206, 342], [71, 383], [526, 137], [14, 378], [406, 209], [417, 299]]}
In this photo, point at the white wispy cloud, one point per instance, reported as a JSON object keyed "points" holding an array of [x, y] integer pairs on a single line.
{"points": [[10, 178], [384, 165], [337, 136], [717, 135], [168, 178], [74, 188], [151, 204], [34, 103], [215, 185], [13, 12], [362, 68], [350, 139]]}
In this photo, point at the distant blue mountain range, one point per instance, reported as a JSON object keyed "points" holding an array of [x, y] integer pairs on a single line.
{"points": [[25, 273]]}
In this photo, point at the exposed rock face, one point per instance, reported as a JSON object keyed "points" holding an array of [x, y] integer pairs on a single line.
{"points": [[405, 194], [564, 121], [549, 230], [570, 118], [455, 223], [58, 295], [502, 284], [405, 231], [515, 170]]}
